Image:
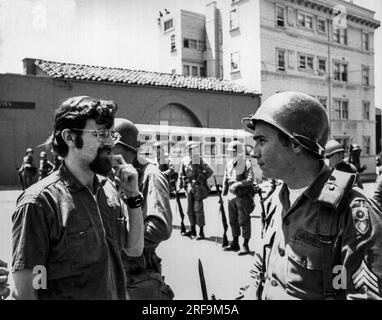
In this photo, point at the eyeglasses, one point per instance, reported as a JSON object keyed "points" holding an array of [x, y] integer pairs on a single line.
{"points": [[118, 141], [101, 134]]}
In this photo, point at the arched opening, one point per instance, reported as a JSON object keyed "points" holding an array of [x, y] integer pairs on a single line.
{"points": [[176, 115]]}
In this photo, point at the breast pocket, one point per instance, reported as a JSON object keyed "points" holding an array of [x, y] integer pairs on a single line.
{"points": [[304, 269], [85, 249]]}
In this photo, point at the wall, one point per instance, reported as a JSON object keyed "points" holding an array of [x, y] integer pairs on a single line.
{"points": [[24, 128]]}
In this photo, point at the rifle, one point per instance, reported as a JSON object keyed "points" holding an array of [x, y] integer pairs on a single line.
{"points": [[202, 281], [222, 212], [21, 179], [181, 213], [260, 193]]}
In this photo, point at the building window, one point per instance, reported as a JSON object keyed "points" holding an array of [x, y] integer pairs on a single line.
{"points": [[305, 62], [280, 59], [341, 109], [340, 71], [366, 110], [186, 43], [234, 19], [235, 61], [366, 145], [321, 25], [173, 45], [322, 65], [365, 76], [202, 71], [192, 43], [340, 36], [194, 70], [186, 70], [280, 16], [201, 45], [305, 20], [169, 24], [323, 101], [365, 41]]}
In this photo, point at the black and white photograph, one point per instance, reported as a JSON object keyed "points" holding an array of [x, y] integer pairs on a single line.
{"points": [[209, 151]]}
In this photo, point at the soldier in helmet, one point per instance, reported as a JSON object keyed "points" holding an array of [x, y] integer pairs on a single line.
{"points": [[238, 185], [354, 157], [46, 167], [144, 273], [193, 174], [334, 152], [322, 235], [27, 168], [165, 164]]}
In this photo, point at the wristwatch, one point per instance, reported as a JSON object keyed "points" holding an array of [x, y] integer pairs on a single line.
{"points": [[134, 202]]}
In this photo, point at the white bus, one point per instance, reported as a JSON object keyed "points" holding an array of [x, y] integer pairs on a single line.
{"points": [[213, 144]]}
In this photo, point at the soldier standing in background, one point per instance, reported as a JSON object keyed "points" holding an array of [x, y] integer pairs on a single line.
{"points": [[165, 164], [193, 174], [237, 184], [28, 169], [144, 273], [46, 167]]}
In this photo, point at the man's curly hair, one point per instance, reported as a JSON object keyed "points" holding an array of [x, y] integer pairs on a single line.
{"points": [[74, 112]]}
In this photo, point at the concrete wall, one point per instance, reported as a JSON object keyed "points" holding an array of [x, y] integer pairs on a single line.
{"points": [[22, 128]]}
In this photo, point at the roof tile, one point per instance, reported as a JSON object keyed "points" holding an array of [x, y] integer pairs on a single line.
{"points": [[118, 75]]}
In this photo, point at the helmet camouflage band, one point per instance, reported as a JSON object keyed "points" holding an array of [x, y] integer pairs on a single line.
{"points": [[299, 116]]}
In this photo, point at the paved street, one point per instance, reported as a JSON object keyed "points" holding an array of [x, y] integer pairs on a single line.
{"points": [[225, 272]]}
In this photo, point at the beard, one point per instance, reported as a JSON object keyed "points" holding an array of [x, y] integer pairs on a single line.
{"points": [[102, 164]]}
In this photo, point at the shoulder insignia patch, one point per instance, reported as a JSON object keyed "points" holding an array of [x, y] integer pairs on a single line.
{"points": [[364, 278], [361, 217]]}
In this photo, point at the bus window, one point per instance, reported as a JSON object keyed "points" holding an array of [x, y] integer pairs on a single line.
{"points": [[193, 138], [210, 149], [177, 138], [144, 137], [209, 139], [161, 137]]}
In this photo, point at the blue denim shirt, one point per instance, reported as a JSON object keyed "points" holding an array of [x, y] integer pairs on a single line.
{"points": [[77, 236]]}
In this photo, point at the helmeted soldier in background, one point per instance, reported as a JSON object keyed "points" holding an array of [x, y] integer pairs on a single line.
{"points": [[238, 185], [354, 157], [57, 161], [193, 174], [27, 169], [322, 235], [334, 152], [46, 167], [165, 164], [144, 273]]}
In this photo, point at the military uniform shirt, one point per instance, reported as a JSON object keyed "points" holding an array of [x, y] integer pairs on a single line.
{"points": [[291, 260]]}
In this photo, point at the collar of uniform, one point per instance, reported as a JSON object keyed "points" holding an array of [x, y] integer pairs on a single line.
{"points": [[72, 182], [314, 190]]}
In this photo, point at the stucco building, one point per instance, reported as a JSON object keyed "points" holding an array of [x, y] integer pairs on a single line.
{"points": [[28, 102]]}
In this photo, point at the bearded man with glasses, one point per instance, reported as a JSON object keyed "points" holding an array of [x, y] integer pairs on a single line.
{"points": [[73, 226]]}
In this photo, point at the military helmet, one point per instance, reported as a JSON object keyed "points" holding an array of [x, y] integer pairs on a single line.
{"points": [[298, 115], [355, 147], [235, 145], [127, 134], [29, 150], [332, 147], [42, 154], [190, 145]]}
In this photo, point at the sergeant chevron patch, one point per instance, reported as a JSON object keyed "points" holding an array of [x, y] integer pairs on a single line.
{"points": [[364, 278]]}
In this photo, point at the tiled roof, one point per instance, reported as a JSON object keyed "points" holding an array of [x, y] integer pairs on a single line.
{"points": [[73, 71]]}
